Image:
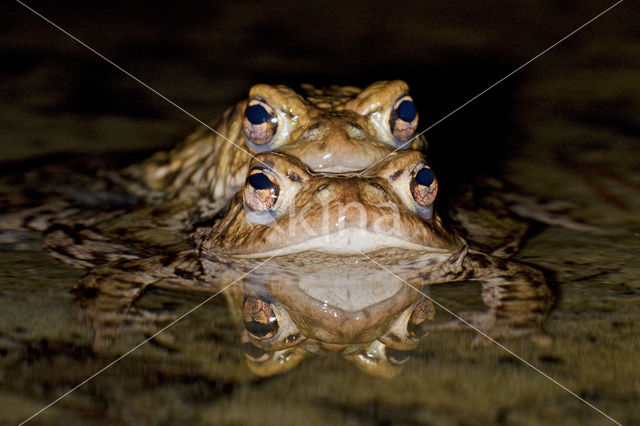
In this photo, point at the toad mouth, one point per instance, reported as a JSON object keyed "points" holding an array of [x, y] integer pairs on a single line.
{"points": [[347, 241]]}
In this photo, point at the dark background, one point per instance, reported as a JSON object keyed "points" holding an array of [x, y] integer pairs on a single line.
{"points": [[205, 55]]}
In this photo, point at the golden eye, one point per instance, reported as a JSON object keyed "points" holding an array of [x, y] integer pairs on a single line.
{"points": [[424, 187], [260, 191], [259, 318], [403, 120], [260, 122]]}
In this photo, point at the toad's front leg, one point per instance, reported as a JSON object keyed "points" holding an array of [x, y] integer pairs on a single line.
{"points": [[517, 295]]}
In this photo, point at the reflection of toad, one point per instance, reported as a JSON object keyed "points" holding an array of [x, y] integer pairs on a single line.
{"points": [[375, 326]]}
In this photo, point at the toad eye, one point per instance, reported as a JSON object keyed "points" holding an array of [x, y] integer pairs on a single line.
{"points": [[261, 191], [424, 187], [420, 318], [259, 318], [403, 120], [260, 122]]}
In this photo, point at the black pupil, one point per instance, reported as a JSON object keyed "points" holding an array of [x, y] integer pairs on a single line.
{"points": [[425, 177], [257, 114], [259, 329], [260, 181], [407, 111]]}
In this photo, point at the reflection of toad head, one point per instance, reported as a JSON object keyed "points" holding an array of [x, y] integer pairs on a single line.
{"points": [[374, 325]]}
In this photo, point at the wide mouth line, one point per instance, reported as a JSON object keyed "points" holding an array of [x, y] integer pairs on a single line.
{"points": [[347, 241]]}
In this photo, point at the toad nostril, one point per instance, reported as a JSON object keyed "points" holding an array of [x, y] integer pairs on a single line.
{"points": [[355, 131], [314, 131]]}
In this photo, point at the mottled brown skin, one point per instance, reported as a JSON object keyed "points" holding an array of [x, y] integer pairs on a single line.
{"points": [[190, 231], [333, 130]]}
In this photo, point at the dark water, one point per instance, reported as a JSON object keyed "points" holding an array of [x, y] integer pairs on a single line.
{"points": [[566, 127]]}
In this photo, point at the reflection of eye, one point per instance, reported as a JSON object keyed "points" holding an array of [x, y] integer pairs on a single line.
{"points": [[403, 120], [396, 356], [261, 191], [423, 313], [259, 318], [424, 187], [260, 122]]}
